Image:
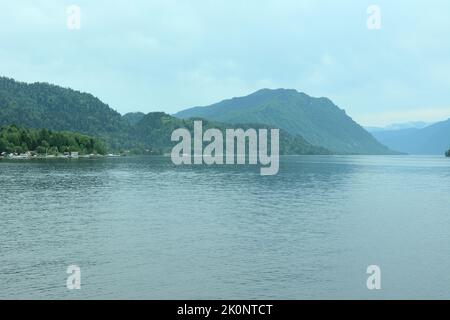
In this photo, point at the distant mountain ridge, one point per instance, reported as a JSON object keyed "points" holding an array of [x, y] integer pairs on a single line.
{"points": [[317, 120], [431, 140], [400, 126]]}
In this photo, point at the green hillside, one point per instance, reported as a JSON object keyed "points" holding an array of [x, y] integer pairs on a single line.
{"points": [[133, 117], [317, 120], [42, 105], [155, 130]]}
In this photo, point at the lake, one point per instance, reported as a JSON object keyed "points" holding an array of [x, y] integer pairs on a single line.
{"points": [[141, 228]]}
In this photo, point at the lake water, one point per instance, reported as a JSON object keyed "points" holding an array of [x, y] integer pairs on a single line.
{"points": [[141, 228]]}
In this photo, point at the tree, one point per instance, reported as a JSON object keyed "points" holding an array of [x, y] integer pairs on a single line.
{"points": [[41, 150]]}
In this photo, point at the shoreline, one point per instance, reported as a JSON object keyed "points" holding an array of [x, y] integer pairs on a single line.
{"points": [[59, 157]]}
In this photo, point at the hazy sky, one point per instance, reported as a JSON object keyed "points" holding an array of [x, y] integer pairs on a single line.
{"points": [[169, 55]]}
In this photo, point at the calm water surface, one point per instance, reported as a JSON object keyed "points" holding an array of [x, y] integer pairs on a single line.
{"points": [[142, 228]]}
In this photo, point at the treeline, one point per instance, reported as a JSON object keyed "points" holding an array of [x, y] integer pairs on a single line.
{"points": [[447, 154], [44, 141]]}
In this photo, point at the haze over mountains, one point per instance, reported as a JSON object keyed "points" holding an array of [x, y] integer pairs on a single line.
{"points": [[318, 120], [430, 140], [400, 126]]}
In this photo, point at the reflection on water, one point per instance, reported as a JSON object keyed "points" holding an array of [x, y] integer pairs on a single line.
{"points": [[143, 228]]}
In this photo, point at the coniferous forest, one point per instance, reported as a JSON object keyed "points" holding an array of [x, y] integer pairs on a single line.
{"points": [[44, 141]]}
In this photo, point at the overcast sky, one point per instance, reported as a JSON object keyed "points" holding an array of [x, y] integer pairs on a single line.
{"points": [[169, 55]]}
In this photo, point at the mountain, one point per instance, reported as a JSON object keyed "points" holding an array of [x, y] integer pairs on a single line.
{"points": [[156, 128], [434, 139], [317, 120], [42, 105], [400, 126]]}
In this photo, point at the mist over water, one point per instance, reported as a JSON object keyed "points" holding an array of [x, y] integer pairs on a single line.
{"points": [[142, 228]]}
